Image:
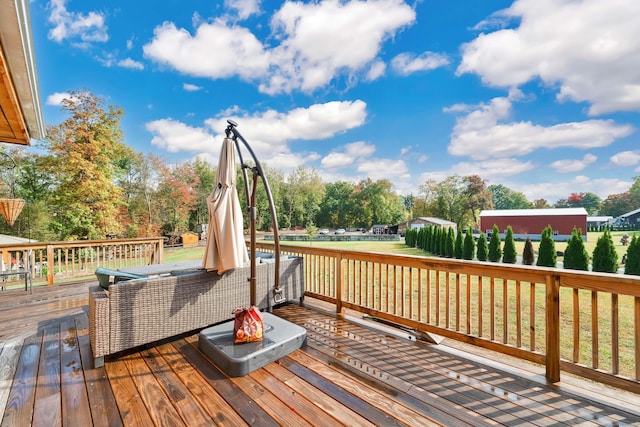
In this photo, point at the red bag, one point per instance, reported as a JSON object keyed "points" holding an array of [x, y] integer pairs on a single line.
{"points": [[248, 325]]}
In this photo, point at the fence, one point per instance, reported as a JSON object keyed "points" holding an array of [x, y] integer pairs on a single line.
{"points": [[582, 323], [62, 260]]}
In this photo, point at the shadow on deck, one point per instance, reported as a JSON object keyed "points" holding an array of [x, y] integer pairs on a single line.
{"points": [[348, 374]]}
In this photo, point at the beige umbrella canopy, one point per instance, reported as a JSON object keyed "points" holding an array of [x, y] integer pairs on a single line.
{"points": [[226, 247]]}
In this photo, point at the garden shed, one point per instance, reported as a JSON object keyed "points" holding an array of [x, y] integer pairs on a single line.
{"points": [[530, 222]]}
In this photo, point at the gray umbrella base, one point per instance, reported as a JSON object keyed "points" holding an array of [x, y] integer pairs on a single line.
{"points": [[281, 337]]}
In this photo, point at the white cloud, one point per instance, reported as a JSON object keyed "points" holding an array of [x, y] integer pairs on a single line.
{"points": [[191, 87], [268, 133], [67, 25], [316, 122], [553, 191], [320, 40], [352, 152], [565, 44], [57, 97], [572, 165], [407, 63], [130, 63], [480, 134], [626, 158], [175, 136], [317, 43], [243, 8], [376, 169], [376, 70], [237, 51]]}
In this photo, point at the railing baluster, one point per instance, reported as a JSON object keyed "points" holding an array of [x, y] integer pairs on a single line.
{"points": [[437, 303], [505, 311], [492, 308], [615, 344], [576, 326], [532, 316], [518, 314], [458, 302], [594, 330], [468, 317]]}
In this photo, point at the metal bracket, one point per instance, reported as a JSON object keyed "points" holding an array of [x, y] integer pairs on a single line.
{"points": [[278, 295]]}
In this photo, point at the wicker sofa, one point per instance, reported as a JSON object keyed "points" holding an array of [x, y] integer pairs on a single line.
{"points": [[143, 310]]}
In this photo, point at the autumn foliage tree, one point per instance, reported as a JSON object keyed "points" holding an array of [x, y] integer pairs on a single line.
{"points": [[175, 196], [84, 151]]}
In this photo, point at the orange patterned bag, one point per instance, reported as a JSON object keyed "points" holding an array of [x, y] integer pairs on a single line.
{"points": [[248, 325]]}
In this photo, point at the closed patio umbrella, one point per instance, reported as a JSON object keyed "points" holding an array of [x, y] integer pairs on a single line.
{"points": [[226, 248]]}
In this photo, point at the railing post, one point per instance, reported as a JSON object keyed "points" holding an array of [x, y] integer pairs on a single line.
{"points": [[50, 265], [552, 314], [339, 284]]}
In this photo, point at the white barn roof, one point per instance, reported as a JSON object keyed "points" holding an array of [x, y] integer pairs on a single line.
{"points": [[438, 221]]}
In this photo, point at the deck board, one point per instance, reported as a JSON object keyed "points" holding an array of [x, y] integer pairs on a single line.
{"points": [[348, 374]]}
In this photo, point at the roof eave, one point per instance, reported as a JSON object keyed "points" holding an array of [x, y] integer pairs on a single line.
{"points": [[21, 78]]}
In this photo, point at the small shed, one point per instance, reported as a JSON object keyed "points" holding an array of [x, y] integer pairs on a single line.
{"points": [[189, 239], [530, 222]]}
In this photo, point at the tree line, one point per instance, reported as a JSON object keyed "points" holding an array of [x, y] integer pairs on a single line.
{"points": [[445, 242], [83, 182]]}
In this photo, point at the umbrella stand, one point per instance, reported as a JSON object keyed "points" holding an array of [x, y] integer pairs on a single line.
{"points": [[250, 195], [281, 337]]}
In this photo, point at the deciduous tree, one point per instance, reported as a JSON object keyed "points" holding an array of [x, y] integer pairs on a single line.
{"points": [[84, 153]]}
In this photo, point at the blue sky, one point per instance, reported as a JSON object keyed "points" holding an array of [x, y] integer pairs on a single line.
{"points": [[542, 96]]}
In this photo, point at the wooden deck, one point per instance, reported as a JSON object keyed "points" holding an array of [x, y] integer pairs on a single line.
{"points": [[348, 374]]}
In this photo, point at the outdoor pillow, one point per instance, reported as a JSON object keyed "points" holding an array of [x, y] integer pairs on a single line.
{"points": [[107, 276]]}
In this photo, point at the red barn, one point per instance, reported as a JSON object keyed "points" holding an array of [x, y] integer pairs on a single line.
{"points": [[530, 222]]}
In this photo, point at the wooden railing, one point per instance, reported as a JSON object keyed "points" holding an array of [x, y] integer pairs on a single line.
{"points": [[582, 323], [62, 260]]}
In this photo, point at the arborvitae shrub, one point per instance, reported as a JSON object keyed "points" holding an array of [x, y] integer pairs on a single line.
{"points": [[469, 246], [547, 250], [527, 253], [495, 251], [605, 258], [442, 251], [576, 256], [457, 252], [410, 238], [422, 237], [632, 263], [483, 248], [450, 243], [510, 254]]}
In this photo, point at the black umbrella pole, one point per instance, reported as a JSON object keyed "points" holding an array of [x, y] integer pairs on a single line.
{"points": [[251, 206]]}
